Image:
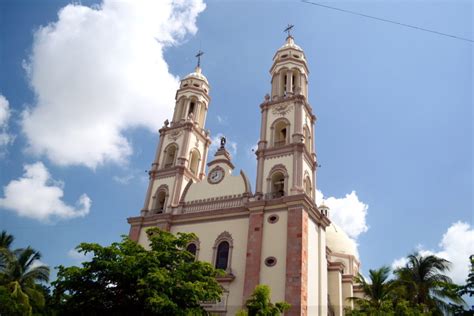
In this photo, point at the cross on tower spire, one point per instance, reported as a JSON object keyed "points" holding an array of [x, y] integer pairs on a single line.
{"points": [[288, 29], [198, 55]]}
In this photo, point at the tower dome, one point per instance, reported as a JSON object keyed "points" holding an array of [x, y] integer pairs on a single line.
{"points": [[339, 242], [290, 43], [197, 74]]}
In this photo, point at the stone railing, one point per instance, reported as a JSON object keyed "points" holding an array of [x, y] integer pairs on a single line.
{"points": [[219, 203]]}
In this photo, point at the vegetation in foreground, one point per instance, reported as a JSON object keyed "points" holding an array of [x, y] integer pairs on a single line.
{"points": [[421, 287], [259, 304], [126, 279]]}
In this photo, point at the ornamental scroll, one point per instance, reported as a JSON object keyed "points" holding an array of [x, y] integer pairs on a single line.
{"points": [[282, 110], [175, 135]]}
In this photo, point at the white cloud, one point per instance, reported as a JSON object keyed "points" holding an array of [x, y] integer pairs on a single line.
{"points": [[97, 72], [456, 245], [216, 143], [37, 196], [222, 119], [124, 179], [5, 113], [348, 212], [37, 263], [79, 256]]}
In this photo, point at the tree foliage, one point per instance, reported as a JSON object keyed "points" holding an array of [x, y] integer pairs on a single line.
{"points": [[425, 283], [259, 304], [126, 279], [419, 288], [20, 278]]}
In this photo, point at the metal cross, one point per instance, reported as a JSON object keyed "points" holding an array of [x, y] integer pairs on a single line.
{"points": [[288, 29], [198, 55]]}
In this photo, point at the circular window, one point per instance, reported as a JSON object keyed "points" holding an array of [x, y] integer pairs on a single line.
{"points": [[272, 219], [270, 261]]}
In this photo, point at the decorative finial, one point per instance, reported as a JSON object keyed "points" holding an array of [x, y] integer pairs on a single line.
{"points": [[288, 29], [166, 123], [223, 141], [198, 55]]}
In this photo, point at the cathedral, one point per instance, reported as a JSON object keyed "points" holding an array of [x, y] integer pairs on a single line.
{"points": [[274, 234]]}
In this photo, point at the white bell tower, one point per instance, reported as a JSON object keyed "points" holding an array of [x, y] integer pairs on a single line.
{"points": [[286, 154], [183, 146]]}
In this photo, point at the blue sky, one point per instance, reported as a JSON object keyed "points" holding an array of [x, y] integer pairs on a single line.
{"points": [[394, 108]]}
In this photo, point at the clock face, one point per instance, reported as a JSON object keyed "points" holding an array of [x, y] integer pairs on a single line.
{"points": [[215, 176]]}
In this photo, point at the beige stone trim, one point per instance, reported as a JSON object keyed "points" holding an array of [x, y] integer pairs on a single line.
{"points": [[336, 266], [248, 187]]}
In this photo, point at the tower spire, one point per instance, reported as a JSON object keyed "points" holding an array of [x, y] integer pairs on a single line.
{"points": [[288, 29], [198, 56]]}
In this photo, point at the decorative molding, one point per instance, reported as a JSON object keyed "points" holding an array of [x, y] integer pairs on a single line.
{"points": [[282, 109], [175, 135]]}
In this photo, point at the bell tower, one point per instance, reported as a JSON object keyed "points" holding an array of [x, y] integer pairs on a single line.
{"points": [[183, 146], [286, 154]]}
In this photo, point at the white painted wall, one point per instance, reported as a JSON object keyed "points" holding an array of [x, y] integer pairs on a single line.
{"points": [[274, 245], [207, 233]]}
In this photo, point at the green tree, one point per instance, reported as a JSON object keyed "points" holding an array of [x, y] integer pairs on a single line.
{"points": [[468, 289], [126, 279], [259, 303], [425, 283], [378, 293], [19, 278]]}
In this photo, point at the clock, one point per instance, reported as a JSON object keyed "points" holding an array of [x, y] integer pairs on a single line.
{"points": [[216, 175]]}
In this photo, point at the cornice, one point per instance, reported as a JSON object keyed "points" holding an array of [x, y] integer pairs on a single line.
{"points": [[195, 89]]}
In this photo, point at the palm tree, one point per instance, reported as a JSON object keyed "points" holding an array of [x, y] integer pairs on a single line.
{"points": [[20, 272], [6, 241], [425, 283], [378, 292]]}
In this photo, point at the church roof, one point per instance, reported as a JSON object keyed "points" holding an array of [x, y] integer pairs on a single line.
{"points": [[339, 242]]}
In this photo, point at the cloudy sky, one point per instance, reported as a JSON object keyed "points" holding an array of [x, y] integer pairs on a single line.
{"points": [[85, 87]]}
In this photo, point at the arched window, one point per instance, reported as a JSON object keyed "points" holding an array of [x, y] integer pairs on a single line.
{"points": [[160, 199], [281, 132], [278, 184], [192, 248], [222, 256], [170, 156], [191, 108], [223, 252], [194, 158]]}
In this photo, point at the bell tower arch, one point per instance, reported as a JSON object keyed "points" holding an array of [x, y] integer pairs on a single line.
{"points": [[183, 145]]}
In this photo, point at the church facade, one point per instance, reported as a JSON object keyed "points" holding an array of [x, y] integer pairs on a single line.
{"points": [[275, 234]]}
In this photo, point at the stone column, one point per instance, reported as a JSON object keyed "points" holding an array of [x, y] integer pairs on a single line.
{"points": [[296, 292], [288, 81], [254, 252]]}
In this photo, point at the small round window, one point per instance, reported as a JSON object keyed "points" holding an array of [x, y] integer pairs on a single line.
{"points": [[270, 261], [272, 219]]}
